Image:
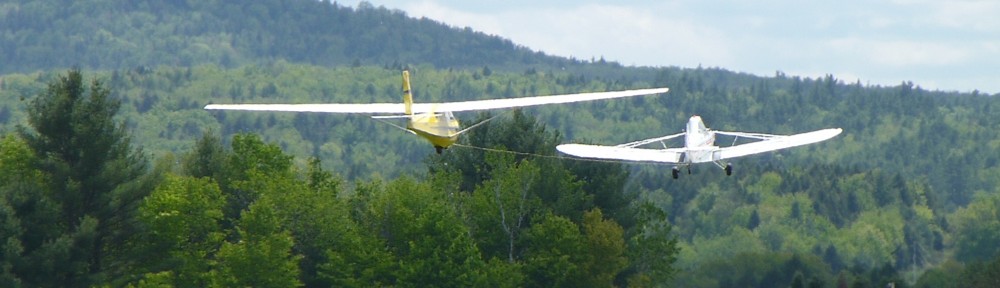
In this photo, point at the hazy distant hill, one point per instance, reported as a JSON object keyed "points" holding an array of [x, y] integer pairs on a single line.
{"points": [[104, 34]]}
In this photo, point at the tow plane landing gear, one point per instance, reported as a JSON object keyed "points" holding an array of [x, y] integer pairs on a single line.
{"points": [[728, 167], [676, 172]]}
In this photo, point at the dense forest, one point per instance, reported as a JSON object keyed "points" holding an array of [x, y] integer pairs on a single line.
{"points": [[45, 34], [111, 174]]}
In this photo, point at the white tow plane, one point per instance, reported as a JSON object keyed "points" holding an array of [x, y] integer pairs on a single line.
{"points": [[435, 121], [699, 147]]}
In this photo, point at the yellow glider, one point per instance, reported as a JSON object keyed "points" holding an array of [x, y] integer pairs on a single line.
{"points": [[434, 121]]}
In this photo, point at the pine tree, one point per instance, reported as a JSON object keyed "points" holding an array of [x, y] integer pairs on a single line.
{"points": [[94, 175]]}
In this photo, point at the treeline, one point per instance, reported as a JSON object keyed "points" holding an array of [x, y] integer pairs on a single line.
{"points": [[81, 206], [937, 138], [910, 169], [84, 196]]}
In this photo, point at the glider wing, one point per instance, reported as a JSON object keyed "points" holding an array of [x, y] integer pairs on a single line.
{"points": [[399, 108], [374, 108], [538, 100]]}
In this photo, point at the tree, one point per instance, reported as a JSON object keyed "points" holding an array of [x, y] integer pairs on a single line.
{"points": [[556, 251], [184, 216], [981, 274], [207, 159], [652, 249], [977, 228], [262, 257], [605, 245], [335, 250], [522, 134], [94, 175], [754, 220], [431, 244], [501, 207], [250, 167], [944, 275], [25, 213]]}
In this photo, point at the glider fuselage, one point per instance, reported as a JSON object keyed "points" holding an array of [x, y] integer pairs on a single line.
{"points": [[440, 129]]}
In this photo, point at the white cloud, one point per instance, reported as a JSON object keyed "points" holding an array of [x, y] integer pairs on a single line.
{"points": [[630, 35], [973, 15], [936, 44], [903, 53], [626, 34], [484, 23]]}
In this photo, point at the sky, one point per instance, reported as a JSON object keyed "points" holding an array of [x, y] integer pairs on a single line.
{"points": [[949, 45]]}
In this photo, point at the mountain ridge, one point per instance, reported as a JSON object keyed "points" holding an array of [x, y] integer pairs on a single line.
{"points": [[100, 34]]}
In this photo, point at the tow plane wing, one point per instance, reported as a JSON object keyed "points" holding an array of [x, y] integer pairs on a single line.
{"points": [[672, 155], [777, 142], [629, 152]]}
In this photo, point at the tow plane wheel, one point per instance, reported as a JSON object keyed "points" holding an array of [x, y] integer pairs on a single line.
{"points": [[438, 149], [675, 172], [729, 169]]}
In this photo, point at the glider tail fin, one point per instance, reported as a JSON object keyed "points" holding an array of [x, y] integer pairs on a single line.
{"points": [[407, 95]]}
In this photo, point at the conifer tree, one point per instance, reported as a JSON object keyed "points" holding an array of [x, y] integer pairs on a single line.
{"points": [[93, 174]]}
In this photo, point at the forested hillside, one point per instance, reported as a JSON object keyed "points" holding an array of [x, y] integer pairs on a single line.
{"points": [[155, 190], [104, 34]]}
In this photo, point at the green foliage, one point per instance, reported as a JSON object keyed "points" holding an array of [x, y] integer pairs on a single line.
{"points": [[653, 249], [93, 184], [977, 229], [38, 35], [207, 158], [184, 216], [556, 254], [424, 231], [250, 170], [981, 274], [945, 275], [501, 207], [853, 213], [606, 247], [769, 269], [262, 257]]}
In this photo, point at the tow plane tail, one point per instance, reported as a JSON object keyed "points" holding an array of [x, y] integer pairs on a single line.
{"points": [[407, 95]]}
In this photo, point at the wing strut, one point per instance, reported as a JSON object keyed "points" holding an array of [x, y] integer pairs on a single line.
{"points": [[380, 119], [476, 125], [647, 141]]}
